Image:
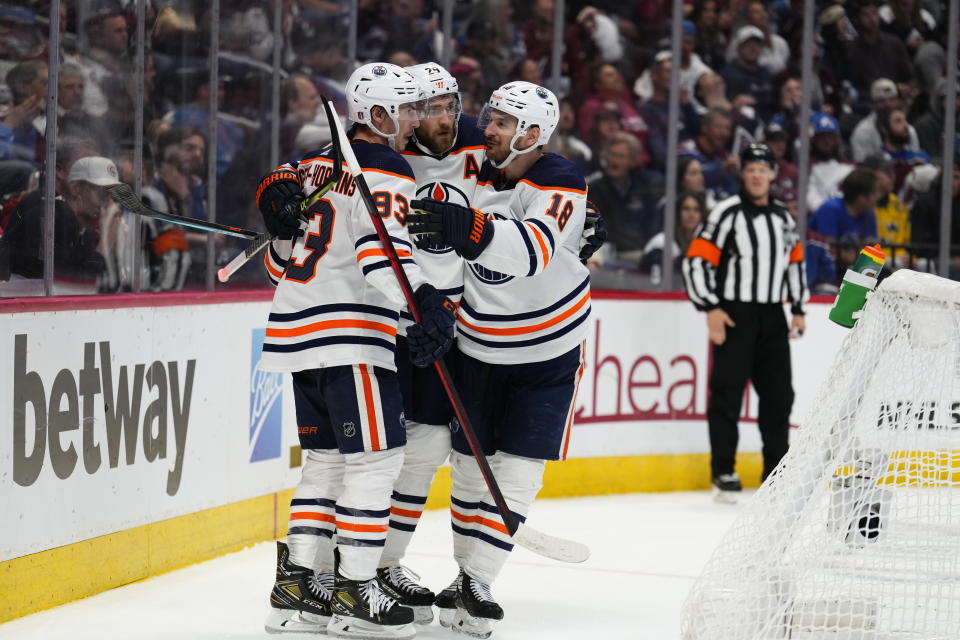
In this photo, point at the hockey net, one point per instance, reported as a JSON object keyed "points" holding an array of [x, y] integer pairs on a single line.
{"points": [[856, 535]]}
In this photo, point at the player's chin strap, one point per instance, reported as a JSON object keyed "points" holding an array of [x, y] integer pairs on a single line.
{"points": [[391, 137], [514, 152]]}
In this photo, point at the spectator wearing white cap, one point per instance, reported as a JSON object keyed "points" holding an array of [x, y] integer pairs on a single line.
{"points": [[775, 53], [746, 79], [77, 228], [865, 140]]}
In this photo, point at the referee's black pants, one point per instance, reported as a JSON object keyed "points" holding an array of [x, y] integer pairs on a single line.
{"points": [[756, 349]]}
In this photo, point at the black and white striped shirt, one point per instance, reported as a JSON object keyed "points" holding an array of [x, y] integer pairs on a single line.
{"points": [[746, 253]]}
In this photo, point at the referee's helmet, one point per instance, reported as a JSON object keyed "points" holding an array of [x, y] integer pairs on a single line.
{"points": [[758, 152]]}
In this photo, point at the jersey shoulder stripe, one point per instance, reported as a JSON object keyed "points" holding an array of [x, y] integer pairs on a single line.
{"points": [[553, 172], [381, 158]]}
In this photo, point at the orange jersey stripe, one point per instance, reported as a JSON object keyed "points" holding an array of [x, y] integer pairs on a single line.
{"points": [[332, 324], [362, 528], [406, 513], [366, 253], [493, 524], [310, 515], [371, 410], [543, 246], [270, 267], [573, 403], [515, 331], [796, 254], [567, 189], [701, 248]]}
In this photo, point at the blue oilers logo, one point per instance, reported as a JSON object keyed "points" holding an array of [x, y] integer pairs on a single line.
{"points": [[489, 276], [379, 70], [266, 406], [542, 93], [444, 192]]}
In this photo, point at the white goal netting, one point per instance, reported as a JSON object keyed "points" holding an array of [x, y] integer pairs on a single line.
{"points": [[856, 535]]}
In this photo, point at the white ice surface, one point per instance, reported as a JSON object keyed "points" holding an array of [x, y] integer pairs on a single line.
{"points": [[647, 550]]}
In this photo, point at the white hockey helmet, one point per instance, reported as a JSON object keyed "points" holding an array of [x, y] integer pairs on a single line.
{"points": [[385, 85], [532, 106], [436, 82]]}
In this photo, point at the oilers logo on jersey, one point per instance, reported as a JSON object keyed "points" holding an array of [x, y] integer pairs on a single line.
{"points": [[445, 192], [489, 276]]}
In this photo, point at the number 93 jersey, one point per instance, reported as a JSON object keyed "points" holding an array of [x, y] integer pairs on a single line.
{"points": [[527, 296], [337, 300]]}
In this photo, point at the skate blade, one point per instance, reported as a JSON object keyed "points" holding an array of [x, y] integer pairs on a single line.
{"points": [[726, 497], [288, 621], [446, 617], [468, 625], [422, 615], [343, 627]]}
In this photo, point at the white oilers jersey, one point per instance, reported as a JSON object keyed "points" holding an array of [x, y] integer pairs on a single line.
{"points": [[527, 297], [451, 177], [337, 300]]}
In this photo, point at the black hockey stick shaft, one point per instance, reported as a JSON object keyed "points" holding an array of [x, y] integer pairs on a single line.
{"points": [[508, 518], [123, 195]]}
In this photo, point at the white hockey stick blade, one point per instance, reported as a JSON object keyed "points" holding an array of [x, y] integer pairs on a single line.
{"points": [[550, 546]]}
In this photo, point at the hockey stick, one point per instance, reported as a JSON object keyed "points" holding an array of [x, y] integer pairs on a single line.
{"points": [[264, 239], [523, 535], [123, 195]]}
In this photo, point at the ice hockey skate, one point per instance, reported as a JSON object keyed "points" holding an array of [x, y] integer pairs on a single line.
{"points": [[402, 583], [363, 609], [727, 488], [476, 609], [446, 601], [300, 600]]}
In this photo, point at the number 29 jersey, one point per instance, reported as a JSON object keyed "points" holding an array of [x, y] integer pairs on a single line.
{"points": [[450, 177], [527, 297], [337, 300]]}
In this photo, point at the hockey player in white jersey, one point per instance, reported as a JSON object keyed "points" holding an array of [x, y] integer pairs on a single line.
{"points": [[523, 318], [445, 153], [333, 324]]}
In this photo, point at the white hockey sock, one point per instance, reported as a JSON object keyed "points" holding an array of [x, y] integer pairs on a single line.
{"points": [[520, 480], [427, 448], [312, 521], [466, 491], [363, 510]]}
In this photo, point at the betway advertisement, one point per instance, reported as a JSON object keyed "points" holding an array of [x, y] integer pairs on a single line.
{"points": [[115, 418]]}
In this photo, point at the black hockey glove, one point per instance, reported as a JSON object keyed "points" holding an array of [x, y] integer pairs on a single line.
{"points": [[594, 233], [432, 337], [278, 197], [433, 222]]}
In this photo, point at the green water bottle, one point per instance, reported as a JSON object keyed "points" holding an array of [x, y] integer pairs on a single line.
{"points": [[858, 281]]}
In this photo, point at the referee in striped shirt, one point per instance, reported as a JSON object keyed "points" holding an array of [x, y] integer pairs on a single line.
{"points": [[745, 262]]}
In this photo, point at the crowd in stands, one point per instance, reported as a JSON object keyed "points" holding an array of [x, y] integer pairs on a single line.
{"points": [[876, 134]]}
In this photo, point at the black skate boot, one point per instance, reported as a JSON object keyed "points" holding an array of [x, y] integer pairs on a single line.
{"points": [[446, 601], [401, 582], [727, 488], [476, 609], [363, 609], [300, 600]]}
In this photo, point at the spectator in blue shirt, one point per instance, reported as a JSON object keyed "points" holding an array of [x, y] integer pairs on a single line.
{"points": [[851, 215]]}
